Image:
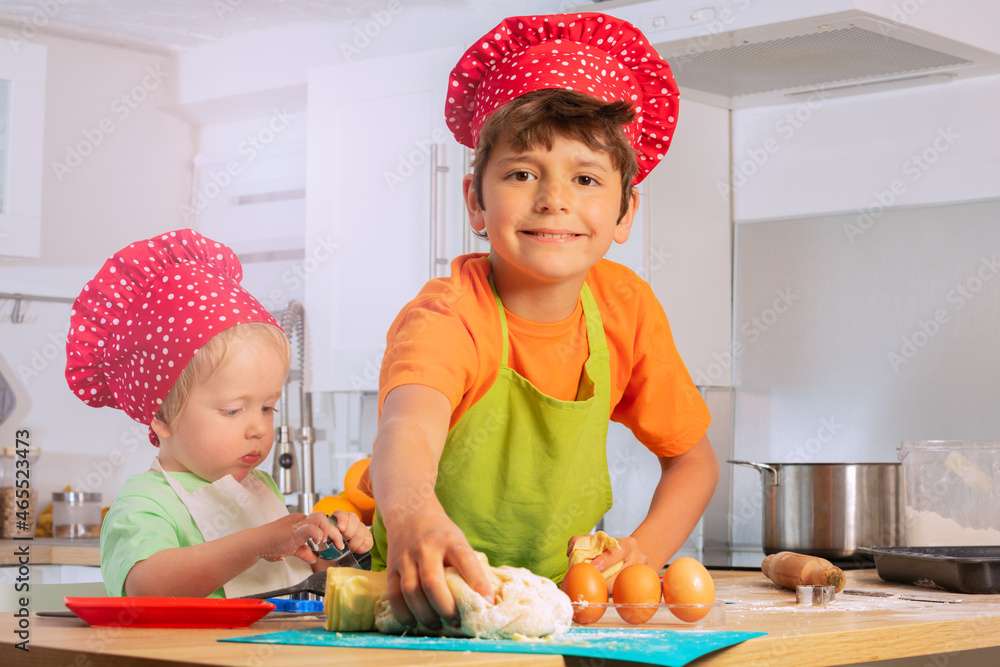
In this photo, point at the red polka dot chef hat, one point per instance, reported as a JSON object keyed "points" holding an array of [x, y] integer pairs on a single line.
{"points": [[595, 54], [142, 318]]}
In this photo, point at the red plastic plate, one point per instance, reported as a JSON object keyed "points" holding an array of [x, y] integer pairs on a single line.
{"points": [[168, 612]]}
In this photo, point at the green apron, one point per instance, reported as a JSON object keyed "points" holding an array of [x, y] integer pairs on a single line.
{"points": [[521, 472]]}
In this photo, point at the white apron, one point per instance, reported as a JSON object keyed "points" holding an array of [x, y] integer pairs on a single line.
{"points": [[225, 507]]}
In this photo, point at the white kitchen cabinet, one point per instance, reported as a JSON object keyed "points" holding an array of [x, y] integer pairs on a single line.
{"points": [[22, 115], [248, 175], [380, 218]]}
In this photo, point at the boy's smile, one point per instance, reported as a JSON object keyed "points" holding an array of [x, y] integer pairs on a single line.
{"points": [[550, 215]]}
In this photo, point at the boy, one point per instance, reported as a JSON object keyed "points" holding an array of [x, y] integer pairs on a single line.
{"points": [[166, 333], [498, 383]]}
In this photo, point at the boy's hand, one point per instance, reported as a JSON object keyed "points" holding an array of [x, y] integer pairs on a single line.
{"points": [[422, 540], [419, 550], [628, 551]]}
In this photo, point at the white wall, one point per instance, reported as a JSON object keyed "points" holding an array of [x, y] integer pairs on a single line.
{"points": [[128, 186]]}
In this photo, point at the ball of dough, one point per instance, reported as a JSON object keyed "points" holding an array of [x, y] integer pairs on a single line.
{"points": [[527, 605]]}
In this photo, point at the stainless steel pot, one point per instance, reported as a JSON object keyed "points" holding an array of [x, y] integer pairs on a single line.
{"points": [[830, 509]]}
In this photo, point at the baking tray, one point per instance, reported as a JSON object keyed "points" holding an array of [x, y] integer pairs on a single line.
{"points": [[958, 569]]}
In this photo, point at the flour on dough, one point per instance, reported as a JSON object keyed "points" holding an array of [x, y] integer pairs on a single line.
{"points": [[527, 606]]}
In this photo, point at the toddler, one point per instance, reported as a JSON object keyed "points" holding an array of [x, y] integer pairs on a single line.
{"points": [[166, 333]]}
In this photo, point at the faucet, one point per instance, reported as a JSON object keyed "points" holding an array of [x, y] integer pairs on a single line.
{"points": [[291, 477]]}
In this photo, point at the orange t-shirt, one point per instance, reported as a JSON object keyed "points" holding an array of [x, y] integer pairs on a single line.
{"points": [[449, 338]]}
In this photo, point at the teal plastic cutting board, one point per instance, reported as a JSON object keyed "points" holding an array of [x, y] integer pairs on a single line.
{"points": [[655, 647]]}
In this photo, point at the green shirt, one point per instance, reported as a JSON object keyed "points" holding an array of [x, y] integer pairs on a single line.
{"points": [[148, 517]]}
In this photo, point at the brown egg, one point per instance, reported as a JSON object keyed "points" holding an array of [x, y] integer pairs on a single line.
{"points": [[584, 583], [637, 584], [687, 581]]}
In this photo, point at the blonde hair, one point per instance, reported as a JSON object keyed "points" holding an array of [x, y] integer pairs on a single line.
{"points": [[212, 356]]}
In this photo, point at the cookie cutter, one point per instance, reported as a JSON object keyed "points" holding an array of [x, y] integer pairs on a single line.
{"points": [[814, 596], [327, 550]]}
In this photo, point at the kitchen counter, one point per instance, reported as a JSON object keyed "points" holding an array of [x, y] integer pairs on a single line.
{"points": [[53, 551], [852, 629]]}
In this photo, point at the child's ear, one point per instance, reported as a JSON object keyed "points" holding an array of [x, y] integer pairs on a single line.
{"points": [[161, 428], [476, 219], [624, 227]]}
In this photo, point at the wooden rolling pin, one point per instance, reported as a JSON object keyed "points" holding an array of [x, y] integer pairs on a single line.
{"points": [[788, 570]]}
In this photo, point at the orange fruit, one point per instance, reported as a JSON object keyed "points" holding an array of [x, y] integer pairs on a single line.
{"points": [[328, 504], [361, 500]]}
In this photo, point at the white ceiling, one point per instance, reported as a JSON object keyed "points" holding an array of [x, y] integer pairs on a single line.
{"points": [[171, 26]]}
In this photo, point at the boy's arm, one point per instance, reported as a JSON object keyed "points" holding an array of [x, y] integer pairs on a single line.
{"points": [[686, 484], [201, 569], [421, 537]]}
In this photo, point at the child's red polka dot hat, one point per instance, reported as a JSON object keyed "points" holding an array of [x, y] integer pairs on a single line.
{"points": [[142, 318], [591, 53]]}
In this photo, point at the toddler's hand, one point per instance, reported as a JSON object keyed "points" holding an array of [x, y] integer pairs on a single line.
{"points": [[353, 533], [288, 536]]}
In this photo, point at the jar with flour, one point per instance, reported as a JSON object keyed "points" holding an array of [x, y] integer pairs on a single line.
{"points": [[951, 489]]}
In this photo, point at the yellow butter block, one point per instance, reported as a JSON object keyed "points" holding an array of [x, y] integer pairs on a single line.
{"points": [[350, 599]]}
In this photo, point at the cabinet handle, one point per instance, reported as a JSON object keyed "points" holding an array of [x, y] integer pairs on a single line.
{"points": [[437, 167], [467, 224]]}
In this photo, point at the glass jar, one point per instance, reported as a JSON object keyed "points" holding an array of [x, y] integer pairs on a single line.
{"points": [[17, 503], [76, 514]]}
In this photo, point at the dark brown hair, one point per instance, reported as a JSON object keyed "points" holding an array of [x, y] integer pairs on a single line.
{"points": [[535, 118]]}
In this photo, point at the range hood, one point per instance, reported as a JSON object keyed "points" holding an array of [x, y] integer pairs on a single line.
{"points": [[747, 53]]}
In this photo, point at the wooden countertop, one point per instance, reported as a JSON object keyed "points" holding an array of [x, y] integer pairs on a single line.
{"points": [[53, 551], [850, 630]]}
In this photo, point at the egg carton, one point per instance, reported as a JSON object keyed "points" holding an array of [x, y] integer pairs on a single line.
{"points": [[655, 615]]}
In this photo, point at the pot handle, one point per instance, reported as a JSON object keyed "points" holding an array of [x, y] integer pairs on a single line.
{"points": [[762, 467]]}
